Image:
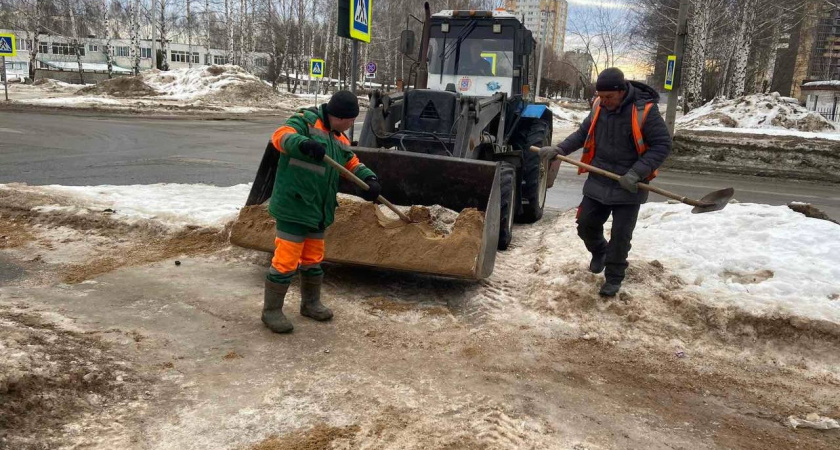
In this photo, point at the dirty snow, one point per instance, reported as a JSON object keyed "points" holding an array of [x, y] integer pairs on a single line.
{"points": [[73, 101], [763, 111], [763, 259], [834, 136], [567, 116], [190, 84], [176, 205], [760, 258]]}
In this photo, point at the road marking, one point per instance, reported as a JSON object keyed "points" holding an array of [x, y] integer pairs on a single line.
{"points": [[9, 130]]}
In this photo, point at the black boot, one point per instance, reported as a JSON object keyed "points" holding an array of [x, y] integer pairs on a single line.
{"points": [[272, 314], [599, 261], [609, 289], [310, 298]]}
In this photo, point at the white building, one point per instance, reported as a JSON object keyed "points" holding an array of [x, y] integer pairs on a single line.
{"points": [[58, 53], [543, 17], [823, 97]]}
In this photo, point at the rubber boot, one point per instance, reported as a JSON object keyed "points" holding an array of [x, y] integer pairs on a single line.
{"points": [[272, 314], [598, 263], [609, 289], [310, 298]]}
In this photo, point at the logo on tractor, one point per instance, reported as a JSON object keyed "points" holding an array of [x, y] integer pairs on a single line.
{"points": [[493, 86], [465, 84]]}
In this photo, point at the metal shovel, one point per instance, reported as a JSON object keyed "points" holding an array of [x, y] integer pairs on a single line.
{"points": [[713, 201]]}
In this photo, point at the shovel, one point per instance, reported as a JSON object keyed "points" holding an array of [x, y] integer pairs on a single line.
{"points": [[358, 182], [713, 201]]}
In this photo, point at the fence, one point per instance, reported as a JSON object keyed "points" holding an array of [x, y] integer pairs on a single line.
{"points": [[831, 113]]}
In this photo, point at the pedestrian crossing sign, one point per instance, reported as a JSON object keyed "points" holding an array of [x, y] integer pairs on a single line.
{"points": [[7, 45], [670, 72], [316, 68], [361, 13]]}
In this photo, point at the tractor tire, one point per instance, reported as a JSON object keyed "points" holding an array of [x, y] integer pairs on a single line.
{"points": [[534, 169], [507, 209]]}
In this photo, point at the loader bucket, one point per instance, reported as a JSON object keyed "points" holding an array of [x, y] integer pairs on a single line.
{"points": [[362, 235]]}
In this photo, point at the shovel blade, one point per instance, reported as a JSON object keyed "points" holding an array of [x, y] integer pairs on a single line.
{"points": [[714, 201]]}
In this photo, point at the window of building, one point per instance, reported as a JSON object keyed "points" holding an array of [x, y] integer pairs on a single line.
{"points": [[220, 59], [23, 44], [60, 48], [93, 47], [121, 51], [43, 47], [146, 52], [261, 62], [181, 56]]}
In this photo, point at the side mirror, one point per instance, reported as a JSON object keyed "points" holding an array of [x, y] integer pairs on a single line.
{"points": [[407, 42]]}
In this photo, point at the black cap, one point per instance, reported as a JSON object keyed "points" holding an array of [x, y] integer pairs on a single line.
{"points": [[343, 105], [611, 79]]}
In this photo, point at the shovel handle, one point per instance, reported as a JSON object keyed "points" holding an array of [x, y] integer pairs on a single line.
{"points": [[643, 186], [358, 181]]}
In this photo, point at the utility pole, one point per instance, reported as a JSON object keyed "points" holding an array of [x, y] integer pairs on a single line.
{"points": [[679, 46], [542, 52], [154, 35], [354, 65]]}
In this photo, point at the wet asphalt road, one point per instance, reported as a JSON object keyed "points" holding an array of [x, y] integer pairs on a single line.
{"points": [[91, 149]]}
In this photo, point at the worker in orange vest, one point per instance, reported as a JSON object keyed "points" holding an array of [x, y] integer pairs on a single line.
{"points": [[626, 135]]}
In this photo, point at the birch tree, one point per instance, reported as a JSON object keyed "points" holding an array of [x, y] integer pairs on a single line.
{"points": [[743, 44]]}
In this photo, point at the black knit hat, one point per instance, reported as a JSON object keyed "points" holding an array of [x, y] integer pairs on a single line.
{"points": [[343, 105], [611, 79]]}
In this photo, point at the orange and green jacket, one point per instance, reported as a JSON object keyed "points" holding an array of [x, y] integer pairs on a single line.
{"points": [[305, 189]]}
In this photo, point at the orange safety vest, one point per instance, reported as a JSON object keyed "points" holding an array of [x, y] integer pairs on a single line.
{"points": [[637, 121]]}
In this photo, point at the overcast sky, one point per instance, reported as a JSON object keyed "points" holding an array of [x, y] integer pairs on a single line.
{"points": [[580, 9]]}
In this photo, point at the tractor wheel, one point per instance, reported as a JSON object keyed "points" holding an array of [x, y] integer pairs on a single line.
{"points": [[507, 207], [534, 169]]}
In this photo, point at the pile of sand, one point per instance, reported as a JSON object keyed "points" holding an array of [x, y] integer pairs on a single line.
{"points": [[438, 241], [764, 111], [120, 87]]}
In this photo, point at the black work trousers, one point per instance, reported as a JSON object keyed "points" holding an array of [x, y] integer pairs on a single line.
{"points": [[592, 215]]}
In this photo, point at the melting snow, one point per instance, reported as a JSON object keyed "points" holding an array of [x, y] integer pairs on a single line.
{"points": [[758, 257]]}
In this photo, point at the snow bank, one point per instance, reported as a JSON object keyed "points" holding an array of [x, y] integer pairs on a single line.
{"points": [[772, 132], [176, 205], [761, 111], [822, 83], [197, 82], [763, 259]]}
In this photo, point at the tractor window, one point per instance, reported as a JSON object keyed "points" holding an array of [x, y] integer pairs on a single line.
{"points": [[480, 53]]}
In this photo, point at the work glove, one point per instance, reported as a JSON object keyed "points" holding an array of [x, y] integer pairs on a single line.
{"points": [[375, 188], [549, 152], [630, 181], [313, 150]]}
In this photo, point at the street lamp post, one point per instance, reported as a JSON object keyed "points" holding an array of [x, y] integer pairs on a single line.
{"points": [[542, 51]]}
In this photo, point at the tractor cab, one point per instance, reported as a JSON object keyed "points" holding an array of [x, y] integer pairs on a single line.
{"points": [[480, 53]]}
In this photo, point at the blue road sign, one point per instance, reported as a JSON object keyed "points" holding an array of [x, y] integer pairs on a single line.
{"points": [[361, 15], [670, 71], [316, 68], [370, 67], [7, 45]]}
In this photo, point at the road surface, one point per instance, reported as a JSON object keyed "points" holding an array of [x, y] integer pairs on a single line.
{"points": [[91, 149]]}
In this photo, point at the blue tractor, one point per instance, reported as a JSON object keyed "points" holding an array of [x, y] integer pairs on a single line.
{"points": [[470, 102]]}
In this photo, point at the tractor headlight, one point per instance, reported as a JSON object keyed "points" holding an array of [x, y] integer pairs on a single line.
{"points": [[497, 28], [444, 27]]}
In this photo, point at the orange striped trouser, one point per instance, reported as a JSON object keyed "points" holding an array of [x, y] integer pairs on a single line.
{"points": [[293, 252]]}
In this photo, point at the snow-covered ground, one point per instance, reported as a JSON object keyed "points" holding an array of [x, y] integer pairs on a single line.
{"points": [[767, 260], [225, 89], [762, 259], [174, 205]]}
